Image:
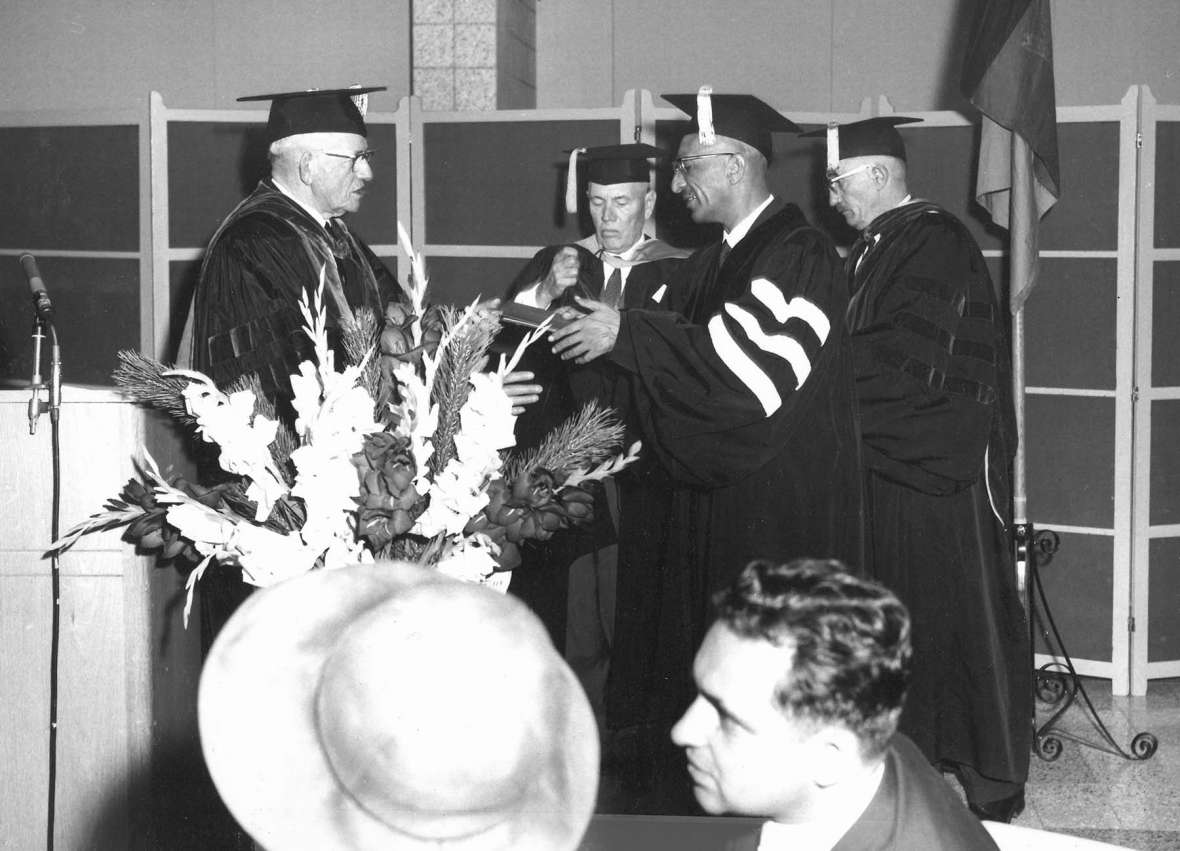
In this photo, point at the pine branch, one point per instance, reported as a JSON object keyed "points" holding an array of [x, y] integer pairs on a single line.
{"points": [[468, 336], [360, 343], [142, 379], [581, 441]]}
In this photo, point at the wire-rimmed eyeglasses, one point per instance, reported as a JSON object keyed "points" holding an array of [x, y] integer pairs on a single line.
{"points": [[678, 163], [365, 156], [834, 177]]}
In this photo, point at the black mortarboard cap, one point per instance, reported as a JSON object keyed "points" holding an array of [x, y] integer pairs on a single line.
{"points": [[610, 164], [871, 137], [316, 111], [743, 117]]}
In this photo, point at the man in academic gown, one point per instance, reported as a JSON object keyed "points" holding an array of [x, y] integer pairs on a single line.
{"points": [[268, 253], [937, 428], [271, 248], [570, 579], [800, 682], [744, 397]]}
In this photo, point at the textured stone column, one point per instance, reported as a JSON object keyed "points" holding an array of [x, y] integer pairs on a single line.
{"points": [[475, 54]]}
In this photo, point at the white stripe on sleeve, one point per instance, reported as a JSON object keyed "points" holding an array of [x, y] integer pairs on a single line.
{"points": [[799, 308], [786, 347], [743, 367]]}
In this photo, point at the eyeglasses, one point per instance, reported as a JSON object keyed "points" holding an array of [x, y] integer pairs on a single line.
{"points": [[678, 164], [365, 156], [834, 177]]}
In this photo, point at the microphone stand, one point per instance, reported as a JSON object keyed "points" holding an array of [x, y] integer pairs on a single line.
{"points": [[37, 407]]}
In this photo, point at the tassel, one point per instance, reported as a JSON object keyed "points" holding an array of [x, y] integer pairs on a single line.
{"points": [[361, 101], [705, 133], [833, 146], [571, 182]]}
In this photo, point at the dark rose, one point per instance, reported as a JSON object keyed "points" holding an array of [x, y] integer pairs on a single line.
{"points": [[151, 532], [396, 341], [388, 501], [534, 507], [534, 488]]}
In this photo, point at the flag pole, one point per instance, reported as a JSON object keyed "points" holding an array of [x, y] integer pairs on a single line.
{"points": [[1023, 220]]}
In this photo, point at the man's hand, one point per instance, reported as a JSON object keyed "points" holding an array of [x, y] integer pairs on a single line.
{"points": [[587, 336], [521, 391], [563, 274]]}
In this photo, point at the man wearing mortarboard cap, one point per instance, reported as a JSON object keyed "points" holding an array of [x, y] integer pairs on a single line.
{"points": [[245, 317], [937, 429], [744, 398], [569, 580]]}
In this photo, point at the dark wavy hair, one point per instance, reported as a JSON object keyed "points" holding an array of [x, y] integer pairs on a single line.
{"points": [[851, 640]]}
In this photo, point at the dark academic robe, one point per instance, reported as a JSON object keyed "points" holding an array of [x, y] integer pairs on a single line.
{"points": [[744, 397], [933, 384], [246, 315], [246, 318], [541, 579], [914, 810]]}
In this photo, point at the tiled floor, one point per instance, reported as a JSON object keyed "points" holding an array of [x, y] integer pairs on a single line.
{"points": [[1085, 791]]}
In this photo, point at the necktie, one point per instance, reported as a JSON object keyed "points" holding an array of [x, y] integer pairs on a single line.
{"points": [[337, 238], [723, 254], [614, 288]]}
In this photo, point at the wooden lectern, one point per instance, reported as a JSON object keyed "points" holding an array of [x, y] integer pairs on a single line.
{"points": [[127, 670]]}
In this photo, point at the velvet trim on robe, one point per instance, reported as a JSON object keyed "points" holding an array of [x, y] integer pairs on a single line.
{"points": [[267, 252], [933, 385]]}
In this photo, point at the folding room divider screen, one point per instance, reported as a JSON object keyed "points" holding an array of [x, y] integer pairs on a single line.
{"points": [[480, 192]]}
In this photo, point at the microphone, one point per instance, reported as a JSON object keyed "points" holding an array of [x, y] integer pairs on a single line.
{"points": [[41, 302], [36, 406]]}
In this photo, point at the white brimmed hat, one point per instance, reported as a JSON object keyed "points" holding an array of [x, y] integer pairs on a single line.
{"points": [[388, 706]]}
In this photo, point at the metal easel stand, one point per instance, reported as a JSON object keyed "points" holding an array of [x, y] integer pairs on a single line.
{"points": [[1057, 684]]}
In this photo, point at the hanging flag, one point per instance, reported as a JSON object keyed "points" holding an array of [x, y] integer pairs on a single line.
{"points": [[1008, 76]]}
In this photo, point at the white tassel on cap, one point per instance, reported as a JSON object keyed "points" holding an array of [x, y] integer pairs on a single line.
{"points": [[705, 133], [361, 101], [833, 146], [571, 182]]}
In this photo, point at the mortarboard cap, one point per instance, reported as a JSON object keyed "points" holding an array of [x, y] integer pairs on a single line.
{"points": [[868, 138], [316, 111], [609, 164], [743, 117]]}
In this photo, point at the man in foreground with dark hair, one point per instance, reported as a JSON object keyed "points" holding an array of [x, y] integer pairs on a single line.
{"points": [[800, 684]]}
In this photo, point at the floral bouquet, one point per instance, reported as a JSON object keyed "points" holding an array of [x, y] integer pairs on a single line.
{"points": [[407, 461]]}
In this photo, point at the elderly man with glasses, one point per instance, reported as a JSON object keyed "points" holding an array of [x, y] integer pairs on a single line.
{"points": [[933, 386], [272, 246]]}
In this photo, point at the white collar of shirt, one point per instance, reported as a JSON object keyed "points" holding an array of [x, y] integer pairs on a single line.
{"points": [[777, 836], [823, 835], [624, 271], [733, 237], [625, 255], [315, 214]]}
